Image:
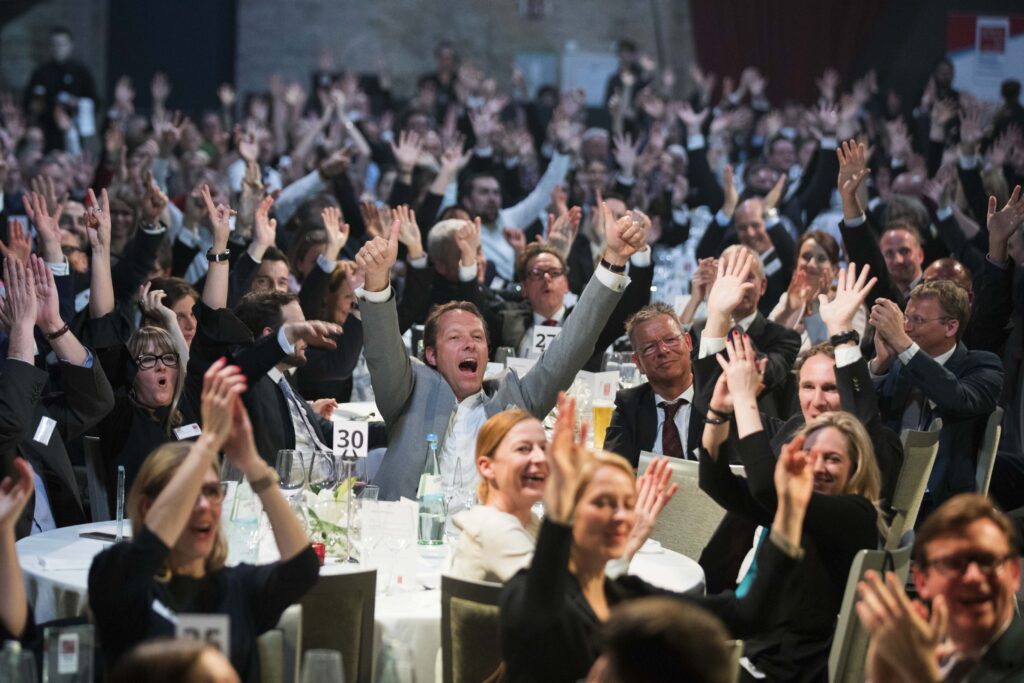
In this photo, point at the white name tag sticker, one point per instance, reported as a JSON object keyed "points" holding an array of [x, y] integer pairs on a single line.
{"points": [[543, 335], [187, 432], [67, 653], [212, 629], [520, 366], [44, 430], [351, 438]]}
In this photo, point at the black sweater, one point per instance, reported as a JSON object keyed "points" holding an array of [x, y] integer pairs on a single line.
{"points": [[549, 631], [125, 596]]}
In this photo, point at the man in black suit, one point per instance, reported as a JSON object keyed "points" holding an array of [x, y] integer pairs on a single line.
{"points": [[923, 372], [656, 416], [732, 305], [968, 553]]}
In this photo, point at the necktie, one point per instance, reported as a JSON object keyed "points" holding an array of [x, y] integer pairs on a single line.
{"points": [[550, 323], [306, 434], [671, 442]]}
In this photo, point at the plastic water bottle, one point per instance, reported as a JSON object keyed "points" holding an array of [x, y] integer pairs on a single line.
{"points": [[430, 497]]}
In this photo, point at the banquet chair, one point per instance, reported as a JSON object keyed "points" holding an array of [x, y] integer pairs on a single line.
{"points": [[735, 653], [987, 452], [847, 658], [337, 614], [919, 449], [470, 650], [691, 517], [99, 507], [279, 648]]}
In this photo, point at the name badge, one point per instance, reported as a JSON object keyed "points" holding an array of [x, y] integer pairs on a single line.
{"points": [[212, 629], [187, 432], [543, 335], [45, 430], [350, 438]]}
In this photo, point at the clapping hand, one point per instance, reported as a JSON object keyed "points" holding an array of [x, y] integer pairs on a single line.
{"points": [[562, 230], [794, 485], [15, 495], [565, 456], [222, 385], [653, 492], [851, 292], [19, 244], [730, 286], [516, 239], [888, 321], [376, 258], [743, 371]]}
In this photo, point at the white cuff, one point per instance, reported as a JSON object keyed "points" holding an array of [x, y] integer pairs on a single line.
{"points": [[911, 351], [374, 297], [874, 202], [59, 269], [681, 216], [695, 141], [282, 339], [944, 213], [625, 179], [325, 264], [847, 355], [710, 346], [158, 230], [467, 273], [642, 258], [772, 219], [484, 151], [418, 263], [829, 143], [722, 219], [968, 162], [616, 282], [856, 222]]}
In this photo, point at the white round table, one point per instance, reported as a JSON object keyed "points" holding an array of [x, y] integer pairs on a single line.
{"points": [[56, 567]]}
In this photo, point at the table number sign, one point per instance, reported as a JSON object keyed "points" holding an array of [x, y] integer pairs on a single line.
{"points": [[350, 438], [212, 629]]}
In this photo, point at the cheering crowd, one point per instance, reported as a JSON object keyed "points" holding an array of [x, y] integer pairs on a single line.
{"points": [[201, 288]]}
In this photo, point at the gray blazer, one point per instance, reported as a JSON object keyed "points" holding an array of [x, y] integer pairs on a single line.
{"points": [[415, 400]]}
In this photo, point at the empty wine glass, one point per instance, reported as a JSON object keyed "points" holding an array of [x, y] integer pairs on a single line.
{"points": [[322, 666], [323, 471], [291, 469]]}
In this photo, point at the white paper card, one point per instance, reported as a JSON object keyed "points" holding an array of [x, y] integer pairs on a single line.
{"points": [[213, 629], [390, 519], [45, 430], [351, 438], [603, 385], [187, 432], [520, 366], [543, 335], [67, 653]]}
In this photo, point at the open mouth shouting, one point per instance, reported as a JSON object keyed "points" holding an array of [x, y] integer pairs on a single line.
{"points": [[203, 531], [468, 367], [534, 480]]}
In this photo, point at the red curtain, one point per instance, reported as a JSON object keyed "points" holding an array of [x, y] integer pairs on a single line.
{"points": [[790, 41]]}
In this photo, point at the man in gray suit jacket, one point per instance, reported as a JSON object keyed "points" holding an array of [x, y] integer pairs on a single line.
{"points": [[447, 396]]}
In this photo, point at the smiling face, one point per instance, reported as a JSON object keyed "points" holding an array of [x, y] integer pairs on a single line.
{"points": [[979, 604], [605, 514], [154, 387], [662, 350], [460, 354], [818, 391], [834, 467], [516, 472], [903, 256], [197, 539], [545, 284], [271, 276], [815, 263], [186, 318]]}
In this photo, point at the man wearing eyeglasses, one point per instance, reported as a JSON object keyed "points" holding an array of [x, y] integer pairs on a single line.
{"points": [[656, 416], [923, 371], [967, 566]]}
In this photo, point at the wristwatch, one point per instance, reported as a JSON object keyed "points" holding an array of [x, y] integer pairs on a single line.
{"points": [[615, 269], [843, 337], [265, 482], [217, 258]]}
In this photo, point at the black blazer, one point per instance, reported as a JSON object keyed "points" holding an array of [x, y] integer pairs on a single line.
{"points": [[1003, 662], [634, 425], [964, 392]]}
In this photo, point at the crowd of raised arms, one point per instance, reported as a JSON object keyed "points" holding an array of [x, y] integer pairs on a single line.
{"points": [[207, 286]]}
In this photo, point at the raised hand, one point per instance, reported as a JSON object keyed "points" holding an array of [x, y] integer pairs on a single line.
{"points": [[219, 220], [653, 492], [853, 159], [376, 258], [691, 119], [625, 152], [19, 244], [1003, 223], [97, 222], [46, 220], [313, 332], [20, 294], [516, 239], [799, 291], [48, 308], [562, 230], [794, 485], [154, 202], [222, 385], [743, 371], [152, 306], [337, 231], [467, 238], [730, 283], [623, 238], [704, 278], [887, 318], [771, 200], [409, 232], [264, 228], [827, 84], [407, 151], [565, 458], [732, 197], [851, 293]]}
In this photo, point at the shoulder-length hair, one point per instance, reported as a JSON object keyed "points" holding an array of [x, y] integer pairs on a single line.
{"points": [[490, 437], [158, 340]]}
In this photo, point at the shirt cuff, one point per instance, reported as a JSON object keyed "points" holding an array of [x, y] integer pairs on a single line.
{"points": [[326, 265], [374, 297], [467, 273], [624, 179], [158, 230], [968, 162], [911, 351], [856, 222], [681, 216], [829, 143], [418, 263], [771, 219], [944, 213], [485, 152], [722, 219], [847, 355], [617, 282], [282, 339], [710, 346], [1001, 266], [642, 258], [87, 363], [59, 269], [695, 142]]}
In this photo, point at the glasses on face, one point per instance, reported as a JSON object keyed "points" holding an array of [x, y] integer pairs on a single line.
{"points": [[541, 273], [673, 343], [214, 493], [146, 361], [917, 320], [955, 566]]}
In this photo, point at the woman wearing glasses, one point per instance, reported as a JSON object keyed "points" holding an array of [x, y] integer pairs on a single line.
{"points": [[174, 563]]}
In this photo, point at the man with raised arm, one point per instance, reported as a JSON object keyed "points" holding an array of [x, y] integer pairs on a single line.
{"points": [[447, 394]]}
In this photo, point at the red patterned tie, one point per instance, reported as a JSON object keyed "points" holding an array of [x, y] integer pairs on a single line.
{"points": [[550, 323], [671, 443]]}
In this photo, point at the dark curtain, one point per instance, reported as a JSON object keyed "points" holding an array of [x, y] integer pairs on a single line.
{"points": [[790, 41]]}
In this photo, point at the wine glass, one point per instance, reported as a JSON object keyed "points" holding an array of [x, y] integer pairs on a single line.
{"points": [[291, 469], [322, 666], [323, 471]]}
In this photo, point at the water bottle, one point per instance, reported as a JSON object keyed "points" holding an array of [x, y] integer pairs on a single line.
{"points": [[430, 498]]}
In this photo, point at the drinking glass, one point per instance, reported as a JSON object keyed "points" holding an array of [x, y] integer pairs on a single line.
{"points": [[323, 471], [503, 353], [322, 666], [291, 469]]}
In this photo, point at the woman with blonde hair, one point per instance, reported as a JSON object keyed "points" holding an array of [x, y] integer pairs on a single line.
{"points": [[174, 562], [551, 613], [842, 518]]}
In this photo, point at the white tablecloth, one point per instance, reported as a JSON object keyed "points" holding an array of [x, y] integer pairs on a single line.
{"points": [[56, 567]]}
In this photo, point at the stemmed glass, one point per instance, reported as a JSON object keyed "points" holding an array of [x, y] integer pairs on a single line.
{"points": [[291, 470], [322, 666]]}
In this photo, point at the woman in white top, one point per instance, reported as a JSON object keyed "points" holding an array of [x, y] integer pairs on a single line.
{"points": [[817, 267], [498, 536]]}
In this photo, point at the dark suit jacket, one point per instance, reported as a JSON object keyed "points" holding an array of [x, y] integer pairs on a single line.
{"points": [[1003, 662], [634, 425], [964, 391], [781, 345], [862, 248], [84, 399]]}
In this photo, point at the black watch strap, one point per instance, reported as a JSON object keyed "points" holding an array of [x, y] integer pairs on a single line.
{"points": [[217, 258], [843, 337], [614, 269]]}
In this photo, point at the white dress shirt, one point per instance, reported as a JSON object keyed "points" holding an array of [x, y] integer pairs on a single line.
{"points": [[682, 418]]}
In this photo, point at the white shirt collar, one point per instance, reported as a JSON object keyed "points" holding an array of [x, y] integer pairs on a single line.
{"points": [[687, 395], [744, 323], [943, 357], [558, 316], [276, 375]]}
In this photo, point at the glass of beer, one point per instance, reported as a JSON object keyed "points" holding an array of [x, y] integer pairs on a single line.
{"points": [[600, 417]]}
